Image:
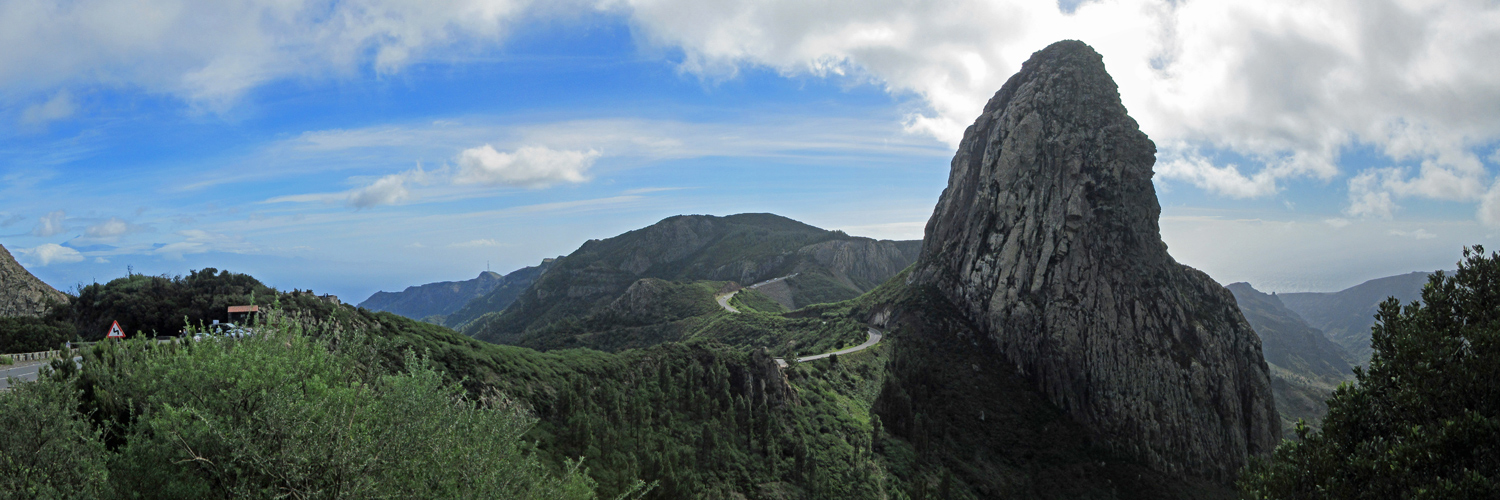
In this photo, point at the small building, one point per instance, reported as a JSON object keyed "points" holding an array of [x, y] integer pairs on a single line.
{"points": [[242, 314]]}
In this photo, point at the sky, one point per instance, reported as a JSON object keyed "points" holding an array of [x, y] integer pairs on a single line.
{"points": [[354, 146]]}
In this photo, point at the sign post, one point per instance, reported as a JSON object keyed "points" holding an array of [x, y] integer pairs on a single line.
{"points": [[115, 332]]}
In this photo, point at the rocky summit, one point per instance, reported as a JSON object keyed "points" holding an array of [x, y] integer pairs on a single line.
{"points": [[1046, 239], [22, 294]]}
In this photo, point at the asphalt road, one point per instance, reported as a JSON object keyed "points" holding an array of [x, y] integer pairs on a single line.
{"points": [[25, 370], [724, 299], [875, 335]]}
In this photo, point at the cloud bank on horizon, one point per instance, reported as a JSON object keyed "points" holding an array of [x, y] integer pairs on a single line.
{"points": [[1246, 100]]}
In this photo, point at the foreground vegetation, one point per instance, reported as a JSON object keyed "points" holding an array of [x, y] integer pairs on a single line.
{"points": [[1424, 420], [278, 414]]}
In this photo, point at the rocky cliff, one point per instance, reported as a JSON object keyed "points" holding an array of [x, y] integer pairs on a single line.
{"points": [[1046, 238], [22, 294]]}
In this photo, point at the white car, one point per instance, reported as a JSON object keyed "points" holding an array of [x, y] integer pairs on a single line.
{"points": [[224, 330]]}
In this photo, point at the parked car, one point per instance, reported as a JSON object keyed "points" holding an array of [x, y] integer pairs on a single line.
{"points": [[217, 330]]}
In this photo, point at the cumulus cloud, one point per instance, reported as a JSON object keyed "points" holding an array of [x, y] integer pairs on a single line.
{"points": [[1287, 83], [50, 224], [530, 166], [210, 53], [388, 190], [1226, 180], [60, 106], [49, 253]]}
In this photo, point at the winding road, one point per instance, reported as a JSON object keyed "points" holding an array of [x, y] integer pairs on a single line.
{"points": [[24, 370], [874, 338]]}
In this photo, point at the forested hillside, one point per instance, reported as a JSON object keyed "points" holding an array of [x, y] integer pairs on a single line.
{"points": [[746, 248]]}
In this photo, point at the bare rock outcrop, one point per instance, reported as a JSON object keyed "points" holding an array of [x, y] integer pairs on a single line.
{"points": [[1047, 239], [21, 293]]}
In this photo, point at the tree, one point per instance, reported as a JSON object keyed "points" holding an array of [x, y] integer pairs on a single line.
{"points": [[1424, 420]]}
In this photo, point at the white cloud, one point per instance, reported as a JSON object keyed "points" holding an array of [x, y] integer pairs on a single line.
{"points": [[1287, 83], [60, 106], [49, 253], [1337, 223], [1368, 198], [477, 244], [210, 53], [530, 166], [1417, 234], [1489, 207], [388, 190], [50, 224], [111, 230], [196, 241], [1226, 180]]}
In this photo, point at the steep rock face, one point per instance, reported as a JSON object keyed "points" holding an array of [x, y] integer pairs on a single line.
{"points": [[1047, 239], [863, 263], [21, 293]]}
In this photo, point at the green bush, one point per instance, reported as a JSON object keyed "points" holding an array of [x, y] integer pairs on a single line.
{"points": [[1424, 420], [277, 414]]}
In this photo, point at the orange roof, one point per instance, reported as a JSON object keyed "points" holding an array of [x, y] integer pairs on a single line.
{"points": [[243, 309]]}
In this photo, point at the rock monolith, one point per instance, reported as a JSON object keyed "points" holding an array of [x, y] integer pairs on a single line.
{"points": [[1047, 239]]}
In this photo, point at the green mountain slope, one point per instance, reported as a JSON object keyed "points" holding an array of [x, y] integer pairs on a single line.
{"points": [[745, 248], [1305, 365], [1347, 315]]}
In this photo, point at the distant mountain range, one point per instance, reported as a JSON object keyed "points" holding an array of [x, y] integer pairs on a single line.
{"points": [[453, 303], [1305, 365], [1346, 316]]}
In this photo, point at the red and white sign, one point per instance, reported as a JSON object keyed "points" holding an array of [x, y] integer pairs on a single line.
{"points": [[115, 332]]}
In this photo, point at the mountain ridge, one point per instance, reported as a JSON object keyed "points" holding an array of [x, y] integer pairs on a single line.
{"points": [[1305, 365], [1347, 315], [742, 248]]}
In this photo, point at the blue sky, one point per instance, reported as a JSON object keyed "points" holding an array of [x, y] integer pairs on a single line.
{"points": [[355, 146]]}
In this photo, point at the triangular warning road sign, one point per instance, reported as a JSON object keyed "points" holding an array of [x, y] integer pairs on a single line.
{"points": [[115, 332]]}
